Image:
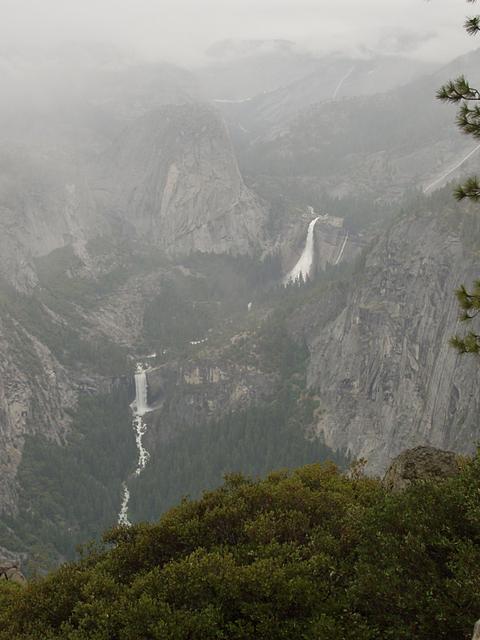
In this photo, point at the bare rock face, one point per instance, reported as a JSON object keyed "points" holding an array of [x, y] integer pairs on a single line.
{"points": [[172, 178], [421, 463], [49, 138], [35, 395], [44, 205], [332, 242], [476, 631], [383, 367]]}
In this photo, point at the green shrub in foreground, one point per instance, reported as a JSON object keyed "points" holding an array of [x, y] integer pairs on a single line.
{"points": [[306, 555]]}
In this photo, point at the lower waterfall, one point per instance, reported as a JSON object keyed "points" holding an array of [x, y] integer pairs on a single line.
{"points": [[139, 408]]}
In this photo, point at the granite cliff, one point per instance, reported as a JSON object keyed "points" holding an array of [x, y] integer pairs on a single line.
{"points": [[383, 367], [172, 177]]}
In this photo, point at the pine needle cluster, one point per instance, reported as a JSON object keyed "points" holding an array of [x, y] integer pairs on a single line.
{"points": [[459, 91]]}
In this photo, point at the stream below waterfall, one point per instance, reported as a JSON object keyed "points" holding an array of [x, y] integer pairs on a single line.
{"points": [[139, 408]]}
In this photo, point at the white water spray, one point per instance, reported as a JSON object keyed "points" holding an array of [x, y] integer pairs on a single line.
{"points": [[139, 408], [305, 262]]}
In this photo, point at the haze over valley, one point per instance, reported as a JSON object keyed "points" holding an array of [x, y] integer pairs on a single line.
{"points": [[230, 253]]}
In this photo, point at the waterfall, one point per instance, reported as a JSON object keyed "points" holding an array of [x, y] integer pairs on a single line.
{"points": [[139, 408], [342, 250], [123, 515], [305, 262], [140, 405]]}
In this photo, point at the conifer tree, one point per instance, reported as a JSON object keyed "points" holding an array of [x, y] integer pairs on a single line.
{"points": [[467, 97]]}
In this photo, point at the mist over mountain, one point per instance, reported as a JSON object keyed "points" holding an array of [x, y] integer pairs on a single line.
{"points": [[234, 259]]}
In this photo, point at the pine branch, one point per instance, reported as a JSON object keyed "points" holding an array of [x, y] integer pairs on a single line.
{"points": [[468, 120], [457, 90], [472, 25], [469, 189], [469, 301], [469, 344]]}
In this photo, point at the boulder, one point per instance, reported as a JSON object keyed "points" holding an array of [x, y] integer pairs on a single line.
{"points": [[476, 631], [10, 571], [420, 463]]}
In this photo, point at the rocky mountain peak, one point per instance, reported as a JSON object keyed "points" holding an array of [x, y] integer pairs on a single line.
{"points": [[172, 177]]}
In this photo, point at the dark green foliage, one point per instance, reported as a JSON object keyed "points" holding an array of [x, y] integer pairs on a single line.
{"points": [[71, 493], [264, 437], [472, 25], [189, 307], [457, 90], [254, 441], [176, 316], [469, 302], [309, 555], [469, 189], [278, 351], [416, 561], [468, 117]]}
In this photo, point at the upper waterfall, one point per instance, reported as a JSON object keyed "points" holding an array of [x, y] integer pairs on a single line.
{"points": [[304, 265]]}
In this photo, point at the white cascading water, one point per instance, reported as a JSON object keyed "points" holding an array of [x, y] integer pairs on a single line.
{"points": [[139, 408], [305, 262], [140, 405], [342, 250], [123, 515]]}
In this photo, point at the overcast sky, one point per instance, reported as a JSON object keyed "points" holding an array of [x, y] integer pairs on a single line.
{"points": [[181, 30]]}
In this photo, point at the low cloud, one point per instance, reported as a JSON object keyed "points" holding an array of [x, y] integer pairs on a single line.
{"points": [[182, 30], [401, 41]]}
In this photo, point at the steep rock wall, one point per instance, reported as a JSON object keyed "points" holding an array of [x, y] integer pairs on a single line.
{"points": [[35, 394], [172, 177], [383, 368]]}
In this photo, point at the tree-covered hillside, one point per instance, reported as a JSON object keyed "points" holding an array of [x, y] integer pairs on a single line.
{"points": [[308, 555]]}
